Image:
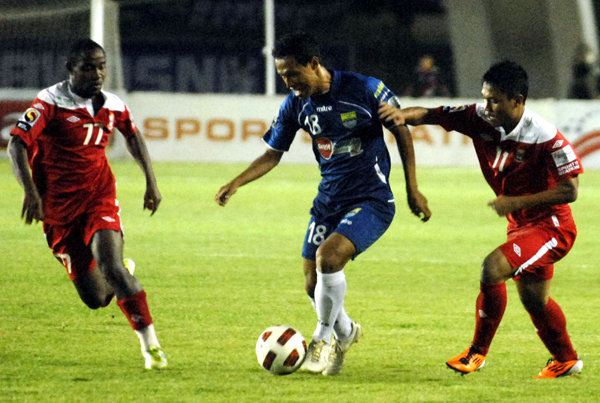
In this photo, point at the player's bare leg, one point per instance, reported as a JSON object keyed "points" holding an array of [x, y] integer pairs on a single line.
{"points": [[551, 326], [107, 249]]}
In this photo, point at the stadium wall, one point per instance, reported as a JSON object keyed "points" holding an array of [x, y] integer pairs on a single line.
{"points": [[229, 128]]}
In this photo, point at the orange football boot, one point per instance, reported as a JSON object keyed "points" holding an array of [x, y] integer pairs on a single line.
{"points": [[557, 369], [469, 361]]}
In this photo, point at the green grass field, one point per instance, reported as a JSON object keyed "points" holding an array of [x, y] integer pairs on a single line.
{"points": [[216, 277]]}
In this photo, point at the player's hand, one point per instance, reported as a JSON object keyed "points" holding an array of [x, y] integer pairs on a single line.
{"points": [[152, 199], [32, 207], [388, 113], [223, 195], [418, 205], [504, 205]]}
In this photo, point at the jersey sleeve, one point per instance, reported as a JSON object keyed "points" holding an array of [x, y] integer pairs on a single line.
{"points": [[33, 121], [283, 130], [378, 92], [124, 122], [458, 118], [564, 163]]}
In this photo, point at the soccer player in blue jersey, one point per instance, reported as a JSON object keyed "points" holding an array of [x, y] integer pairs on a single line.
{"points": [[354, 205]]}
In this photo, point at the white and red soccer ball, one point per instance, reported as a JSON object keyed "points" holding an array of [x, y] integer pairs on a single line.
{"points": [[281, 349]]}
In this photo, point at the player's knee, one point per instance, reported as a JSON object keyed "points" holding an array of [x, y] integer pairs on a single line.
{"points": [[495, 268], [329, 260], [96, 302]]}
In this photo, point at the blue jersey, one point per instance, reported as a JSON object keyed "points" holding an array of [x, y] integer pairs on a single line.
{"points": [[347, 138]]}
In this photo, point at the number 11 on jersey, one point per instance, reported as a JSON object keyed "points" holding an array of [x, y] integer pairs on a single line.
{"points": [[90, 127]]}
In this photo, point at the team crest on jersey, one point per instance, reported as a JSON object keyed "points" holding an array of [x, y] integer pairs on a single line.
{"points": [[349, 119], [520, 155], [28, 120], [325, 147]]}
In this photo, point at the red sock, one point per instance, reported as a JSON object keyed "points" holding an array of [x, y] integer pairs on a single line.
{"points": [[135, 308], [491, 304], [551, 326]]}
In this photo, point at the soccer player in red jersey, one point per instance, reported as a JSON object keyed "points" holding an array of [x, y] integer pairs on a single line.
{"points": [[71, 188], [534, 172]]}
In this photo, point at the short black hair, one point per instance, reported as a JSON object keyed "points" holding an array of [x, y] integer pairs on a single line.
{"points": [[509, 77], [299, 45], [79, 49]]}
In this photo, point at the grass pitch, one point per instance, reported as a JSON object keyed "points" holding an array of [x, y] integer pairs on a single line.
{"points": [[216, 277]]}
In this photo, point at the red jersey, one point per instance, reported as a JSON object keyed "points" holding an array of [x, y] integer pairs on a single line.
{"points": [[65, 143], [532, 158]]}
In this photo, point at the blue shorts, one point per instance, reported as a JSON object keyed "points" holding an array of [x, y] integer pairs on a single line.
{"points": [[362, 223]]}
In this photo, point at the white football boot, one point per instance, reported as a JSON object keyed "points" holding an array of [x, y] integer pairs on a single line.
{"points": [[339, 348], [155, 358], [317, 357]]}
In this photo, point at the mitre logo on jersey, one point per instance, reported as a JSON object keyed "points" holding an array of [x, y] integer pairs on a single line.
{"points": [[324, 108], [349, 119], [325, 147]]}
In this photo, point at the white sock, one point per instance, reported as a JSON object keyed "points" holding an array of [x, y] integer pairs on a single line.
{"points": [[147, 338], [342, 326], [329, 298]]}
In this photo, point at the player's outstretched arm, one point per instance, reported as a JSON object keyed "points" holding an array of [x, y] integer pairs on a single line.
{"points": [[32, 202], [137, 148], [410, 116], [565, 192], [416, 201], [258, 168]]}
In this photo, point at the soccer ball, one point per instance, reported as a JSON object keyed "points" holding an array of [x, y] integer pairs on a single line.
{"points": [[281, 349]]}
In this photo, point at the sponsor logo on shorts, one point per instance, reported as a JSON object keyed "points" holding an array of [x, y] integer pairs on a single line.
{"points": [[109, 219], [325, 147], [517, 249]]}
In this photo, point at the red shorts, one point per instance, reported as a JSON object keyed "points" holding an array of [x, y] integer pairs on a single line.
{"points": [[535, 248], [70, 243]]}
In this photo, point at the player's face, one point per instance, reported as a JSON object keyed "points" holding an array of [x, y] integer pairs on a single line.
{"points": [[88, 74], [499, 110], [303, 80]]}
